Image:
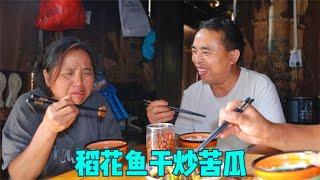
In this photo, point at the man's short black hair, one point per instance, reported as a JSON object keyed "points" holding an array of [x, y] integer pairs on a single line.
{"points": [[53, 57], [232, 37]]}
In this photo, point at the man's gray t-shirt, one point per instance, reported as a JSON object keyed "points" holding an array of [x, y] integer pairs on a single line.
{"points": [[25, 118], [200, 98]]}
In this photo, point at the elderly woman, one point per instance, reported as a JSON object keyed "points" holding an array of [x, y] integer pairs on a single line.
{"points": [[42, 140]]}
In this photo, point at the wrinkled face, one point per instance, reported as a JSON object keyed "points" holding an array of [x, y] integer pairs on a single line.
{"points": [[212, 61], [75, 77]]}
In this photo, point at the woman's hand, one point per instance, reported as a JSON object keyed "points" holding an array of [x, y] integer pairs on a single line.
{"points": [[60, 115], [249, 126], [157, 111]]}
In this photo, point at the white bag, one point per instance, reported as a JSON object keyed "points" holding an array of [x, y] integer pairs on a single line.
{"points": [[134, 21]]}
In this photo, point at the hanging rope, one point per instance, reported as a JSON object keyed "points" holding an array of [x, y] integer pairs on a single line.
{"points": [[149, 9], [234, 11]]}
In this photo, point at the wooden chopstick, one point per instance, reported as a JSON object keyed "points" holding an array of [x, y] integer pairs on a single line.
{"points": [[36, 99], [147, 102], [244, 104]]}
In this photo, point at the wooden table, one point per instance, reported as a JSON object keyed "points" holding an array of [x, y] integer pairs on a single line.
{"points": [[249, 157]]}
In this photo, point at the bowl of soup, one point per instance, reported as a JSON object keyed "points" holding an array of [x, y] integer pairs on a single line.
{"points": [[193, 140], [290, 165], [108, 144]]}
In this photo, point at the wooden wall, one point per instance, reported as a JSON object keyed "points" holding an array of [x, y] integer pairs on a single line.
{"points": [[19, 39], [311, 48], [120, 56], [253, 16], [18, 45]]}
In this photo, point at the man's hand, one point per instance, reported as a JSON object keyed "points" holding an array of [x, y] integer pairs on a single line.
{"points": [[157, 111], [249, 126]]}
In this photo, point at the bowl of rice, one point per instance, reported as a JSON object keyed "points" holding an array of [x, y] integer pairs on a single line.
{"points": [[108, 144], [289, 165], [193, 140]]}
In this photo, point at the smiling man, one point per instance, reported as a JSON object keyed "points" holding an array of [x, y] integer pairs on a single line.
{"points": [[216, 50]]}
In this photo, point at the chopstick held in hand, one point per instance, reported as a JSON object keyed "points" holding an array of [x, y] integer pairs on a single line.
{"points": [[42, 100], [244, 104], [147, 102]]}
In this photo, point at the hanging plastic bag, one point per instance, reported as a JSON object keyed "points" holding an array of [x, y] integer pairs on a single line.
{"points": [[110, 94], [134, 21], [148, 46], [59, 15]]}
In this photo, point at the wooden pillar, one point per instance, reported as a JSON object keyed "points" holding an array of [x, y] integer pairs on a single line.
{"points": [[169, 49]]}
